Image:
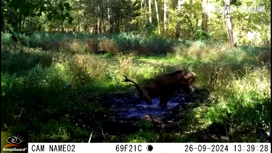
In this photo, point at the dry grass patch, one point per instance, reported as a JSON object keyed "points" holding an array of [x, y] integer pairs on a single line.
{"points": [[108, 46], [92, 45]]}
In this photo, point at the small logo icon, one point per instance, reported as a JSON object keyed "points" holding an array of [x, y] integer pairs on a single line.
{"points": [[16, 142], [149, 148]]}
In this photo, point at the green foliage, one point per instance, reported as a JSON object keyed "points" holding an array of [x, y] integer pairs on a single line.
{"points": [[201, 35], [60, 13], [247, 100], [149, 29], [142, 136], [16, 14], [190, 19], [28, 85], [111, 17], [239, 86], [246, 23], [55, 90], [5, 38], [124, 42]]}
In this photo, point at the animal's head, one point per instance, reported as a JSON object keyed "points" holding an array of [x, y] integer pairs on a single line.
{"points": [[187, 78]]}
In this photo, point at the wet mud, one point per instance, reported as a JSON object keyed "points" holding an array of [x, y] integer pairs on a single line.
{"points": [[129, 110]]}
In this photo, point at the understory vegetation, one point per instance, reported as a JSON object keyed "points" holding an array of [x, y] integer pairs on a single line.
{"points": [[51, 85]]}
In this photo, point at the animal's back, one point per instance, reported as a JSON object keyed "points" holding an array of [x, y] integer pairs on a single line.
{"points": [[163, 85]]}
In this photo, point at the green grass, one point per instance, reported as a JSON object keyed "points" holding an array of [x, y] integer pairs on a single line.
{"points": [[35, 96]]}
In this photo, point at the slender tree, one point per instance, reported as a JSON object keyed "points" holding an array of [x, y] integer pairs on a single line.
{"points": [[204, 16], [228, 22], [130, 3], [157, 15], [180, 2], [149, 11], [143, 10], [110, 30], [164, 15]]}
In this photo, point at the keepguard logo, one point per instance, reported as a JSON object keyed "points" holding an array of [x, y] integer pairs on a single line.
{"points": [[14, 142]]}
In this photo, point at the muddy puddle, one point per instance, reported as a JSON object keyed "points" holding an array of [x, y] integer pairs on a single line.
{"points": [[126, 107], [129, 110]]}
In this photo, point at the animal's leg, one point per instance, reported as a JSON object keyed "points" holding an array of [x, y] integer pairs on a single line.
{"points": [[163, 101]]}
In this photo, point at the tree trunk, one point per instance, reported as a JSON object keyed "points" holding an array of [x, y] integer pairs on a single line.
{"points": [[204, 16], [143, 9], [98, 20], [109, 17], [20, 23], [180, 2], [130, 17], [149, 11], [228, 22], [102, 22], [157, 15], [164, 15], [102, 25], [117, 26]]}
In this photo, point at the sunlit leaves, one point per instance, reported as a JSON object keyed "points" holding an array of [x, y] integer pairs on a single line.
{"points": [[67, 6], [19, 14]]}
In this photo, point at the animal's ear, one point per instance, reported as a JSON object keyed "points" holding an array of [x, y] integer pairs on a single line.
{"points": [[193, 77], [184, 72], [188, 77]]}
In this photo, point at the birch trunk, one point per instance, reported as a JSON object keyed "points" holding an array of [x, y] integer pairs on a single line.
{"points": [[149, 11], [204, 16], [180, 2], [164, 15], [157, 15], [228, 22]]}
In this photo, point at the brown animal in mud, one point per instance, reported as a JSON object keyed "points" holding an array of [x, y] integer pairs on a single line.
{"points": [[165, 85]]}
